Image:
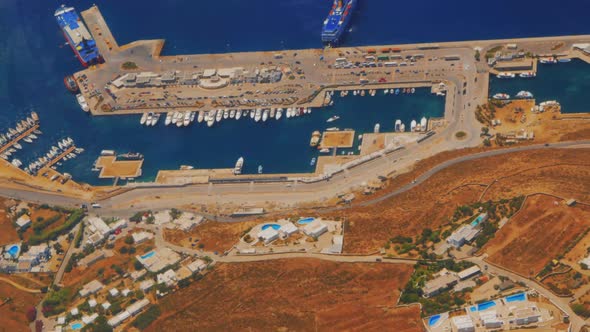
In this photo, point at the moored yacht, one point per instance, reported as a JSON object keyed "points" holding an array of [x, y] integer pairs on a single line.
{"points": [[239, 166]]}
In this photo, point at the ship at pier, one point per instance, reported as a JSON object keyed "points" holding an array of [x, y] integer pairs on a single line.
{"points": [[78, 36], [337, 21]]}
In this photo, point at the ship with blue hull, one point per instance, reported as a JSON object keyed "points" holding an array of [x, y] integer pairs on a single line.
{"points": [[337, 21], [77, 36]]}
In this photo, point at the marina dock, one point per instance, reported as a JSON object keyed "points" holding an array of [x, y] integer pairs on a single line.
{"points": [[337, 139], [58, 158], [111, 168], [19, 137]]}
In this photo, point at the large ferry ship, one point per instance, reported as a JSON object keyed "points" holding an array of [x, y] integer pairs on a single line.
{"points": [[337, 21], [77, 35]]}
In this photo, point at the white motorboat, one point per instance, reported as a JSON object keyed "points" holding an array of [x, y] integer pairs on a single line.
{"points": [[265, 115], [200, 117], [225, 114], [238, 114], [279, 114], [143, 119], [258, 115], [219, 115], [232, 114]]}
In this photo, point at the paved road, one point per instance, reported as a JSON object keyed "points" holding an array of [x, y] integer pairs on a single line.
{"points": [[68, 256], [122, 204]]}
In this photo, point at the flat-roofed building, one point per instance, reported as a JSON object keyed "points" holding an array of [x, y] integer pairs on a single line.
{"points": [[97, 225], [469, 272], [528, 315], [136, 307], [315, 228], [439, 284], [463, 323], [91, 288], [92, 258], [197, 266], [23, 221], [489, 319], [146, 285], [268, 235], [288, 229], [141, 237]]}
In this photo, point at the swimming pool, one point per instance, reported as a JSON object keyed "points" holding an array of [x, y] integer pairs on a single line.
{"points": [[305, 221], [76, 326], [516, 298], [483, 306], [273, 226], [14, 250], [433, 320], [148, 255], [477, 220]]}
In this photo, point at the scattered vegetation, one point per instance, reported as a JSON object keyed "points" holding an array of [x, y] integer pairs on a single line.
{"points": [[129, 65], [53, 234], [460, 134], [147, 317]]}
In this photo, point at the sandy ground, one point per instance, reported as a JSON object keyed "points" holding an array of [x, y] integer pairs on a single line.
{"points": [[537, 234], [431, 204], [8, 234], [13, 314], [214, 236], [293, 295]]}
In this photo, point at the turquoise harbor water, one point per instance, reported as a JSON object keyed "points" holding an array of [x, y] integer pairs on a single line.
{"points": [[34, 59]]}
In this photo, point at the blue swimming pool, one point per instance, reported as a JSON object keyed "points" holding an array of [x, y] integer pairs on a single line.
{"points": [[305, 221], [482, 306], [76, 326], [477, 220], [14, 250], [433, 320], [273, 226], [148, 255], [516, 297]]}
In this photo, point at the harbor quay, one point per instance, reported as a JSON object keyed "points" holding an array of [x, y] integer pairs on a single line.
{"points": [[136, 78]]}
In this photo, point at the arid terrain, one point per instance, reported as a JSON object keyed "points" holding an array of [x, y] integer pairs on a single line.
{"points": [[13, 313], [295, 295], [210, 236], [564, 172], [8, 233], [538, 233]]}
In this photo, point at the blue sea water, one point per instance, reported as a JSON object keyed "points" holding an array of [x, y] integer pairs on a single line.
{"points": [[34, 59]]}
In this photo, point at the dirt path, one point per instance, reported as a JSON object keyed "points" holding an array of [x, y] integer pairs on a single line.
{"points": [[14, 284]]}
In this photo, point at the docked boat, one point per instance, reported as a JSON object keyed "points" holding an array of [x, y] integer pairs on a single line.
{"points": [[210, 119], [402, 128], [337, 21], [325, 150], [33, 136], [332, 119], [362, 93], [252, 114], [34, 116], [265, 115], [506, 75], [528, 74], [333, 129], [219, 115], [386, 91], [423, 123], [413, 90], [279, 114], [168, 120], [155, 119], [144, 117], [259, 169], [398, 124], [225, 114], [524, 95], [200, 117], [232, 114], [413, 125], [193, 115], [187, 119], [239, 166], [71, 84], [130, 156], [272, 113], [564, 60], [312, 162], [258, 115], [376, 128], [77, 36], [548, 61], [16, 163], [28, 140], [82, 102], [315, 138], [501, 96], [397, 91], [238, 114]]}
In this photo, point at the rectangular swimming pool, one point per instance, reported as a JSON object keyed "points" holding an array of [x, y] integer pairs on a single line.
{"points": [[516, 298], [482, 306]]}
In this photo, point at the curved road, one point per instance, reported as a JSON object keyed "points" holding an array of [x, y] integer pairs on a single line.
{"points": [[122, 204]]}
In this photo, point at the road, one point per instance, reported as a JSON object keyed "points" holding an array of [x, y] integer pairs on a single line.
{"points": [[18, 286], [68, 255]]}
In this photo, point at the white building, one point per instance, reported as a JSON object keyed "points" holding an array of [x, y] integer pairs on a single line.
{"points": [[135, 275], [91, 288], [125, 292], [118, 319], [23, 221], [463, 323], [268, 235], [315, 228], [89, 319], [469, 272], [36, 254], [119, 225], [92, 303], [141, 237], [489, 319], [288, 229], [136, 307], [114, 292], [74, 312], [197, 266], [97, 225], [463, 235], [106, 305], [169, 278], [146, 285]]}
